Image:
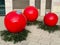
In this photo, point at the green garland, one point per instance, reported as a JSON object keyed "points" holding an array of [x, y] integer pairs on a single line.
{"points": [[43, 26], [48, 28], [18, 37], [33, 23]]}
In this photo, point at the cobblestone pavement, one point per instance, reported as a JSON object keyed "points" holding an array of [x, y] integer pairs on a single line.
{"points": [[36, 37]]}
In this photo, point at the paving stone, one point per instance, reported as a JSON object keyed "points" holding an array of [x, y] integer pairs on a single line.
{"points": [[36, 37]]}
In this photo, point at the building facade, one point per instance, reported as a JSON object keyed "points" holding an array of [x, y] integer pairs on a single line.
{"points": [[8, 5]]}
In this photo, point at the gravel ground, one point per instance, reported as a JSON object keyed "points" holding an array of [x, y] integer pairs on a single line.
{"points": [[36, 37]]}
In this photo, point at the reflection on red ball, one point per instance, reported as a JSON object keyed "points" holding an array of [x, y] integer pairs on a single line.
{"points": [[50, 19], [31, 13], [15, 22]]}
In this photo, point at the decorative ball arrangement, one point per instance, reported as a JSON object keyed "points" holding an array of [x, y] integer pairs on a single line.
{"points": [[50, 19], [15, 21], [31, 13]]}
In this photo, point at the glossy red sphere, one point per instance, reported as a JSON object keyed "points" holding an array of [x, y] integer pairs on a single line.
{"points": [[15, 22], [50, 19], [31, 13]]}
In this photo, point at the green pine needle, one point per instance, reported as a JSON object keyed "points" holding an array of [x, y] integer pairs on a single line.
{"points": [[33, 23], [18, 37], [48, 28]]}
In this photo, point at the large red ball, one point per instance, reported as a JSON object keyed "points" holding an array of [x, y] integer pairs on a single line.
{"points": [[31, 13], [50, 19], [15, 22]]}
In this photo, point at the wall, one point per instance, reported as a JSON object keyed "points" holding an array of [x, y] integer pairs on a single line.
{"points": [[23, 3]]}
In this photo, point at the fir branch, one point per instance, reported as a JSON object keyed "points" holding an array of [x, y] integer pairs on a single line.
{"points": [[18, 37], [33, 23], [48, 28]]}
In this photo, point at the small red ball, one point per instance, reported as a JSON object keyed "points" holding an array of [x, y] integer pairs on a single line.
{"points": [[50, 19], [15, 22], [31, 13]]}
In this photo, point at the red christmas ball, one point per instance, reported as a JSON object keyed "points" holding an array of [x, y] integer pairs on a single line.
{"points": [[15, 22], [31, 13], [50, 19]]}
